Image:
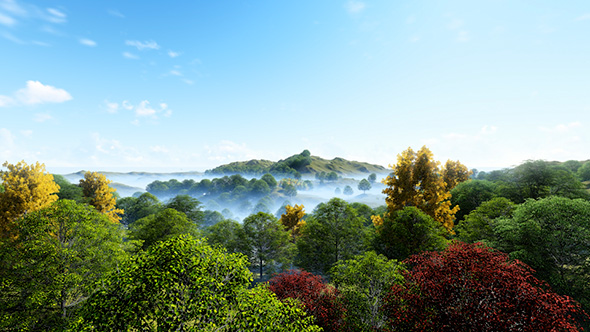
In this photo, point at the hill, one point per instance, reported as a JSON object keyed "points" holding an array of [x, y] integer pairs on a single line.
{"points": [[303, 164]]}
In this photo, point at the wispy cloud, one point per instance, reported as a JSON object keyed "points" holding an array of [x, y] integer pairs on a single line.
{"points": [[56, 16], [561, 128], [355, 7], [146, 45], [35, 93], [130, 55], [175, 72], [143, 110], [463, 35], [111, 107], [42, 117], [87, 42], [7, 20], [173, 54], [583, 17], [116, 13]]}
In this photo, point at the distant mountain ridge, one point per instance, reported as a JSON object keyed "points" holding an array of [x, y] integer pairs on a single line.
{"points": [[303, 163]]}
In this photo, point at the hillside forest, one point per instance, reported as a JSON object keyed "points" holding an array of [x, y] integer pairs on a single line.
{"points": [[302, 244]]}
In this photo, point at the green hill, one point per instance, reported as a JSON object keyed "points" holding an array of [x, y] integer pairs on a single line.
{"points": [[303, 164]]}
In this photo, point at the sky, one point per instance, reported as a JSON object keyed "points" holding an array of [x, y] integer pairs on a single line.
{"points": [[190, 85]]}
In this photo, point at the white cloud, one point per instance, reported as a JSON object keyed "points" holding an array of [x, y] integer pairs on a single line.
{"points": [[116, 13], [143, 109], [486, 130], [26, 133], [127, 105], [6, 101], [129, 55], [159, 149], [455, 24], [227, 150], [355, 7], [104, 147], [42, 117], [6, 138], [112, 107], [37, 93], [87, 42], [583, 17], [561, 128], [56, 16], [151, 45], [7, 20], [187, 81], [173, 54], [463, 36], [175, 72]]}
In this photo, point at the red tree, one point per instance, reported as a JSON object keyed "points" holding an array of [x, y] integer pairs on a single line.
{"points": [[319, 299], [471, 287]]}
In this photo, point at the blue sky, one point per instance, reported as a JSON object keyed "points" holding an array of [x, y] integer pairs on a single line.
{"points": [[189, 85]]}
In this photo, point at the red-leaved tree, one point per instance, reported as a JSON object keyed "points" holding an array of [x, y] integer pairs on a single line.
{"points": [[471, 287], [320, 300]]}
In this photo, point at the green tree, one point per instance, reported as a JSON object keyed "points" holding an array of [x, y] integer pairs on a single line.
{"points": [[364, 281], [50, 269], [332, 176], [188, 205], [270, 180], [165, 224], [479, 224], [372, 178], [584, 171], [137, 208], [470, 194], [552, 235], [27, 188], [183, 284], [289, 190], [333, 232], [364, 185], [229, 234], [68, 190], [96, 191], [347, 190], [267, 243], [408, 231]]}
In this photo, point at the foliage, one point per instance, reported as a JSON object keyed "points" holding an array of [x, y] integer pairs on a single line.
{"points": [[229, 234], [480, 223], [50, 269], [417, 181], [454, 173], [470, 194], [270, 180], [267, 243], [68, 190], [137, 208], [292, 219], [363, 282], [583, 172], [96, 190], [347, 190], [470, 287], [552, 235], [27, 188], [372, 178], [165, 224], [319, 299], [406, 232], [364, 185], [333, 232], [190, 206]]}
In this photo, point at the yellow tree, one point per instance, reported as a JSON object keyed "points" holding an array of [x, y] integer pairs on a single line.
{"points": [[292, 219], [27, 188], [454, 173], [418, 181], [95, 188]]}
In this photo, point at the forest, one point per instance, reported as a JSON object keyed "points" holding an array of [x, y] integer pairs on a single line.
{"points": [[420, 246]]}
